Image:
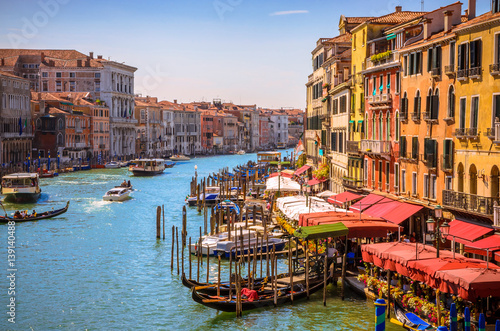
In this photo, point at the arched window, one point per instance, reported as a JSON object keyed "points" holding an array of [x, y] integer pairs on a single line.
{"points": [[417, 105], [396, 126], [38, 124], [388, 126], [60, 124], [374, 126], [451, 102], [60, 139], [435, 105], [380, 129]]}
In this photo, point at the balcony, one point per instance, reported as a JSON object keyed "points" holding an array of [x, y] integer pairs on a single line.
{"points": [[495, 69], [447, 162], [462, 74], [428, 117], [384, 58], [473, 133], [449, 70], [475, 73], [379, 99], [102, 146], [403, 115], [471, 203], [460, 133], [353, 147], [376, 147], [436, 72], [352, 183], [415, 116]]}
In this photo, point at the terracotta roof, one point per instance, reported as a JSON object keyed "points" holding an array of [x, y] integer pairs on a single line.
{"points": [[396, 17], [8, 74], [169, 105], [60, 58], [479, 19], [343, 38], [464, 18], [344, 54], [55, 110], [357, 20], [37, 96]]}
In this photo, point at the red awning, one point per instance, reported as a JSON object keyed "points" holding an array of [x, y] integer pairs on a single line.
{"points": [[468, 231], [399, 214], [370, 229], [492, 243], [343, 197], [366, 202], [315, 181], [301, 170], [382, 207], [283, 174]]}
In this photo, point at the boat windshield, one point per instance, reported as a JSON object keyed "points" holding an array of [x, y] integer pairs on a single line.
{"points": [[19, 182]]}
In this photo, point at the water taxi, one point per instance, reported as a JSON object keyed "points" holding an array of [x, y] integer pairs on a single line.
{"points": [[112, 165], [179, 157], [241, 152], [118, 193], [21, 187], [147, 167]]}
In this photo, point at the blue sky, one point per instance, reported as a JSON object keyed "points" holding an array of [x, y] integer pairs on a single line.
{"points": [[237, 50]]}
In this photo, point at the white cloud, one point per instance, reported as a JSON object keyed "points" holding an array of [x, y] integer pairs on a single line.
{"points": [[289, 12]]}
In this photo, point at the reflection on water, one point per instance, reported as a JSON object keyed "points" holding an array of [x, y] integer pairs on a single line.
{"points": [[100, 267]]}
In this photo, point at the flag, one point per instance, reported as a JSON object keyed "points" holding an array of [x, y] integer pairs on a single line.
{"points": [[318, 139], [20, 126], [130, 111], [25, 123], [299, 148]]}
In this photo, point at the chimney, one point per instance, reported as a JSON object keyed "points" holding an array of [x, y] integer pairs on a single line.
{"points": [[175, 101], [427, 30], [99, 57], [471, 9], [448, 24], [42, 57], [91, 55], [399, 9]]}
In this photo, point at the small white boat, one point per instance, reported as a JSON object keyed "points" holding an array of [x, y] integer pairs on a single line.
{"points": [[241, 152], [112, 165], [209, 243], [123, 164], [179, 157], [118, 193]]}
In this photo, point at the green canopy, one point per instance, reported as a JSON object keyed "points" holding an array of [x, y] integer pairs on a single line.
{"points": [[321, 231], [283, 163]]}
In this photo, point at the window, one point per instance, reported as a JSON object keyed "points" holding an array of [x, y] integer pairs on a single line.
{"points": [[452, 54], [72, 86], [415, 63], [398, 82], [45, 74], [374, 85], [474, 112], [497, 46], [405, 65], [58, 86], [72, 75], [430, 152], [417, 105], [463, 57], [396, 126], [434, 58], [451, 102], [380, 170], [448, 183], [496, 108], [403, 181], [388, 126], [388, 83], [97, 75], [45, 86], [432, 105], [58, 74], [475, 53], [343, 104], [396, 177], [97, 86], [387, 175], [433, 188], [365, 172], [381, 87], [414, 183], [461, 121], [414, 148], [402, 147], [426, 185], [448, 154], [373, 173]]}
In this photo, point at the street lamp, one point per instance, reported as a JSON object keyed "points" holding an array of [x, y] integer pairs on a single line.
{"points": [[438, 232], [279, 178], [196, 172]]}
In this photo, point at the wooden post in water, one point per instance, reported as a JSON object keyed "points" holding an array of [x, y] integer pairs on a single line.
{"points": [[325, 279], [198, 201], [246, 217], [205, 217], [254, 218], [267, 254], [230, 270], [307, 271], [275, 259], [173, 244], [208, 266], [201, 249], [272, 278], [163, 210], [189, 253], [158, 224], [344, 258], [184, 227], [261, 244], [198, 258], [177, 240], [249, 269], [212, 221], [290, 268], [218, 277]]}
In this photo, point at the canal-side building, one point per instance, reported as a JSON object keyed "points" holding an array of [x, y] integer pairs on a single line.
{"points": [[149, 131], [16, 124], [475, 190], [265, 131], [187, 121], [280, 132], [207, 130]]}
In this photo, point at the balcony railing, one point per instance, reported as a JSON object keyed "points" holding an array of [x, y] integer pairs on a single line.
{"points": [[352, 183], [470, 202], [376, 146], [446, 162], [436, 72], [462, 74], [472, 132], [475, 72], [379, 98], [461, 132], [389, 59], [495, 69], [497, 132], [415, 116], [102, 146], [490, 133], [353, 147], [449, 69], [403, 115]]}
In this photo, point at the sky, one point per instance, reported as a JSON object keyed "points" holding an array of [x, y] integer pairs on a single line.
{"points": [[241, 51]]}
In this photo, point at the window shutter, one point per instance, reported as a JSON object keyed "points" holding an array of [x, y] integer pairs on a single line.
{"points": [[419, 106], [428, 104], [478, 53], [435, 107], [459, 57], [415, 105], [429, 59], [434, 152], [438, 57], [472, 46]]}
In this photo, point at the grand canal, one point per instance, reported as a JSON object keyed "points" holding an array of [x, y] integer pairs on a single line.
{"points": [[100, 267]]}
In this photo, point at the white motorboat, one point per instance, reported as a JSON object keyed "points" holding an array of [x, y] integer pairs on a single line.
{"points": [[21, 187], [112, 165], [179, 157], [118, 193], [147, 167], [241, 152], [209, 243]]}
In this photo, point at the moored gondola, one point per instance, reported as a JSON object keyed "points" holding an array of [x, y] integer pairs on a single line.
{"points": [[409, 321], [39, 216], [265, 298]]}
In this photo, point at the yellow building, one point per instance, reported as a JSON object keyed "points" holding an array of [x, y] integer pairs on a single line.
{"points": [[475, 189], [368, 29]]}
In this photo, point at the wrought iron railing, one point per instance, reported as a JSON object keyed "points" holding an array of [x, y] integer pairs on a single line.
{"points": [[403, 115], [495, 69], [415, 116], [449, 69], [436, 72], [470, 202], [462, 74], [461, 132], [472, 132], [352, 183], [475, 72]]}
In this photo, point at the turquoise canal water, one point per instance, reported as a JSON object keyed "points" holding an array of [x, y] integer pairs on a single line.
{"points": [[100, 267]]}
